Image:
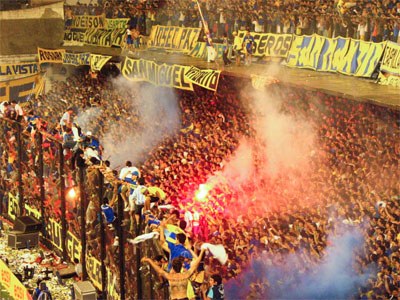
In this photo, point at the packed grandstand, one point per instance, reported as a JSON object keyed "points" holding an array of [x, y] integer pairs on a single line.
{"points": [[198, 177]]}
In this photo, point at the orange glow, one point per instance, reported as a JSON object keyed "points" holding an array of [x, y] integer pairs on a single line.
{"points": [[71, 194], [202, 192]]}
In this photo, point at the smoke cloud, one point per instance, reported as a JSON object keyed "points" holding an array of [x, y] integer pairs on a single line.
{"points": [[154, 115], [293, 278], [86, 119]]}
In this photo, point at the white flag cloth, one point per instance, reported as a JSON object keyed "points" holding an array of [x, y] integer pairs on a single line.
{"points": [[166, 206], [144, 237], [218, 251]]}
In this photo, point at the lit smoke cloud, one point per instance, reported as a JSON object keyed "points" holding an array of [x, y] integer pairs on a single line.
{"points": [[239, 168], [154, 116], [288, 139], [293, 278]]}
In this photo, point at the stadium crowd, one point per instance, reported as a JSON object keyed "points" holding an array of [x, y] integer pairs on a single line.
{"points": [[352, 181], [371, 21]]}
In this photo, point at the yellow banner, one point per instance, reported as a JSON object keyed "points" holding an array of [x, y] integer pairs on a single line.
{"points": [[88, 22], [200, 50], [161, 75], [259, 82], [11, 283], [50, 56], [388, 79], [18, 69], [73, 245], [269, 44], [97, 61], [76, 59], [368, 57], [305, 51], [207, 79], [174, 38], [391, 59], [104, 37], [117, 23], [74, 37], [361, 58], [20, 90]]}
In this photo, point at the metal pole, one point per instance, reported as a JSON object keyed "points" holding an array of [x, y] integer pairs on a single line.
{"points": [[102, 240], [83, 221], [19, 164], [121, 249], [62, 198], [39, 141]]}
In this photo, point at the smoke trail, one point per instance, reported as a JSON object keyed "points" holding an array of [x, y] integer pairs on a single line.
{"points": [[288, 139], [154, 115], [293, 278]]}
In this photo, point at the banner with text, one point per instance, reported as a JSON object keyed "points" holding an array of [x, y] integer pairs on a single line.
{"points": [[97, 61], [207, 79], [50, 56], [74, 37], [73, 244], [270, 44], [174, 38], [391, 59], [20, 90], [157, 74], [12, 284], [18, 69], [388, 79], [85, 21], [342, 55], [119, 23], [76, 59], [104, 37], [200, 50]]}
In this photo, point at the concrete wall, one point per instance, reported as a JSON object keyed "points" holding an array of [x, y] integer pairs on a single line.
{"points": [[22, 31]]}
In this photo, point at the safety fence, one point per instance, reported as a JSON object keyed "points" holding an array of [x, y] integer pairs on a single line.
{"points": [[38, 178]]}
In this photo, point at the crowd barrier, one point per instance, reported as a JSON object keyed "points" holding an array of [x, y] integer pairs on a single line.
{"points": [[37, 180]]}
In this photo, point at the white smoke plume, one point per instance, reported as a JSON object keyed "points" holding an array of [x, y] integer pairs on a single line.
{"points": [[293, 278], [288, 140], [154, 115], [87, 118]]}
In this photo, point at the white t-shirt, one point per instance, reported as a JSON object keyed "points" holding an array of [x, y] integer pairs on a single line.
{"points": [[126, 172]]}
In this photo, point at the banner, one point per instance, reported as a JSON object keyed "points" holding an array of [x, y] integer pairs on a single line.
{"points": [[11, 283], [74, 37], [105, 38], [200, 50], [112, 24], [391, 59], [388, 79], [173, 37], [18, 69], [342, 55], [20, 90], [369, 55], [88, 22], [76, 59], [259, 81], [97, 61], [73, 244], [207, 79], [161, 75], [50, 56], [305, 51], [361, 58], [270, 44]]}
